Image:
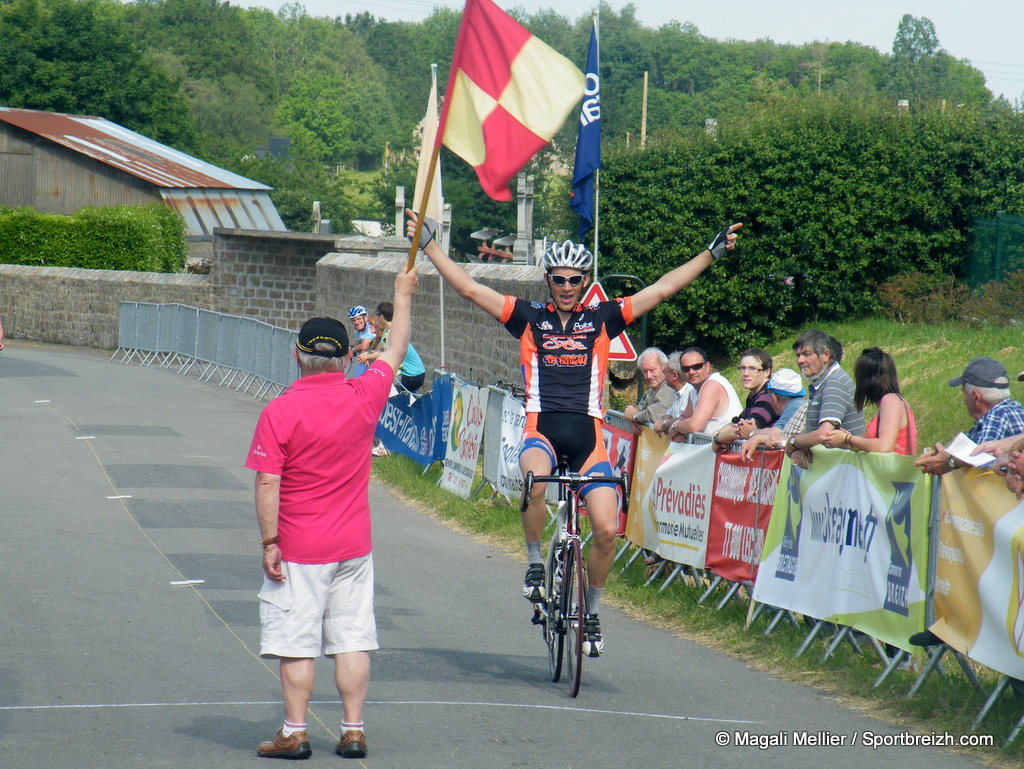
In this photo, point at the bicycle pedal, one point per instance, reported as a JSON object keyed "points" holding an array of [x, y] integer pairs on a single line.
{"points": [[538, 617]]}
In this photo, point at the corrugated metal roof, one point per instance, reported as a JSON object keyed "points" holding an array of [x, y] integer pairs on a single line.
{"points": [[203, 210], [126, 150]]}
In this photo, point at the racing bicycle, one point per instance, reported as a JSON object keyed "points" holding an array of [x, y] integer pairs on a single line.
{"points": [[561, 613]]}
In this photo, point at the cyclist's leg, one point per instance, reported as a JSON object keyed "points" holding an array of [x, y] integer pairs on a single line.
{"points": [[537, 456], [603, 510]]}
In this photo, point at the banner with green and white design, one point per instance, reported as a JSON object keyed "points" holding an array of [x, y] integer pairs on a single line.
{"points": [[848, 543]]}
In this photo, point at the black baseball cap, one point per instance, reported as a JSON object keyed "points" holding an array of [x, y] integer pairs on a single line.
{"points": [[983, 372], [323, 336]]}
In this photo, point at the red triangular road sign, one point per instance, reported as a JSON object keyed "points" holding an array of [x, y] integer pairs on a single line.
{"points": [[621, 348]]}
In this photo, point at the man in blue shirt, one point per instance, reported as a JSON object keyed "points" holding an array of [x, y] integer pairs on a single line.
{"points": [[986, 393]]}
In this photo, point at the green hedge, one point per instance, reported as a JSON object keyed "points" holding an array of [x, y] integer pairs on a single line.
{"points": [[148, 238], [836, 198]]}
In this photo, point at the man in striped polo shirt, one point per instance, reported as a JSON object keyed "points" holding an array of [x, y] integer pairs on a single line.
{"points": [[829, 395]]}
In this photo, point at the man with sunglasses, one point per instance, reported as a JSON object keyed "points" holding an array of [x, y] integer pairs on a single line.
{"points": [[717, 402], [564, 355]]}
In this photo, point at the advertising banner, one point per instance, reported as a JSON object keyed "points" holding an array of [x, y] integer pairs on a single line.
{"points": [[979, 579], [408, 428], [677, 505], [513, 419], [619, 444], [650, 450], [469, 404], [741, 507], [847, 542], [441, 394]]}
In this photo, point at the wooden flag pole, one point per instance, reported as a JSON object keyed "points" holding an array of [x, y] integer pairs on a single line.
{"points": [[415, 245]]}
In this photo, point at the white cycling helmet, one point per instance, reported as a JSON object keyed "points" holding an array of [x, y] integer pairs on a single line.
{"points": [[567, 254]]}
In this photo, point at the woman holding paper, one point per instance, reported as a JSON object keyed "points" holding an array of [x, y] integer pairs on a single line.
{"points": [[893, 429]]}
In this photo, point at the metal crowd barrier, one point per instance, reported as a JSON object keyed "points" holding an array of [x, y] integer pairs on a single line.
{"points": [[247, 354]]}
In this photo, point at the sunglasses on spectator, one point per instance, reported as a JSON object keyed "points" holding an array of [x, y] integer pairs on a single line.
{"points": [[561, 280], [694, 367]]}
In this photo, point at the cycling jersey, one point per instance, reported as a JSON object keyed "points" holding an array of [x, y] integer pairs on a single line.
{"points": [[564, 367]]}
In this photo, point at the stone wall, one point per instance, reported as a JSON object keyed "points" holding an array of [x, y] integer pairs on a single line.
{"points": [[477, 348], [63, 305], [282, 279]]}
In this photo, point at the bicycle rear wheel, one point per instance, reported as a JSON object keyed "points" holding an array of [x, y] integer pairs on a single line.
{"points": [[554, 622], [574, 606]]}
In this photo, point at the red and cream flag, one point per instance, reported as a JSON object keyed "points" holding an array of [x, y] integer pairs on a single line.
{"points": [[508, 94]]}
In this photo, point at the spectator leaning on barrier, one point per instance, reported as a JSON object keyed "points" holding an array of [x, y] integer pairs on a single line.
{"points": [[829, 398], [653, 407], [683, 396], [412, 372], [893, 428], [755, 371], [311, 454], [717, 401], [789, 402], [985, 387]]}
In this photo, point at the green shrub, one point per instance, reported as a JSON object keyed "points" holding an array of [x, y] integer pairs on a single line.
{"points": [[835, 197], [148, 238], [918, 297]]}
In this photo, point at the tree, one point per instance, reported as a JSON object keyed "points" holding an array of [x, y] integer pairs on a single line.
{"points": [[79, 56]]}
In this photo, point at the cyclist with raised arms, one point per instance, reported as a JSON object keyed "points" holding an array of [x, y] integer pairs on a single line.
{"points": [[564, 355]]}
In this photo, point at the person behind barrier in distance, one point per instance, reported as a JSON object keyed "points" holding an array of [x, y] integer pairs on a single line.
{"points": [[563, 349], [363, 339], [412, 373]]}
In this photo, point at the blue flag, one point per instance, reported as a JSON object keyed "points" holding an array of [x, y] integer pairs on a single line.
{"points": [[588, 142]]}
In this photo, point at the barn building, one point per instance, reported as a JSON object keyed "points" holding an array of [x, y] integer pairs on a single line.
{"points": [[61, 163]]}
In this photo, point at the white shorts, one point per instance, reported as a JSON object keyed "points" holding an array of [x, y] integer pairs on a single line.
{"points": [[319, 609]]}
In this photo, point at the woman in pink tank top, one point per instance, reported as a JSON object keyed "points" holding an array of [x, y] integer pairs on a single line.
{"points": [[893, 429]]}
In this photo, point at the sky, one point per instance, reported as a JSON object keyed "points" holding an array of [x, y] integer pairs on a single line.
{"points": [[986, 32]]}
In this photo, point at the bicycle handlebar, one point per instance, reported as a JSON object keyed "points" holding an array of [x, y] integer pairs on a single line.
{"points": [[574, 479]]}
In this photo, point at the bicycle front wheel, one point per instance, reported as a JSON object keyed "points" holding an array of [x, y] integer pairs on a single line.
{"points": [[554, 622], [574, 607]]}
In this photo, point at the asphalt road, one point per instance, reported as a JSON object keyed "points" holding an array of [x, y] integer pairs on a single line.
{"points": [[119, 482]]}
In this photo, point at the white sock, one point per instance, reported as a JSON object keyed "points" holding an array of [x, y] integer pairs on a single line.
{"points": [[351, 726], [290, 728]]}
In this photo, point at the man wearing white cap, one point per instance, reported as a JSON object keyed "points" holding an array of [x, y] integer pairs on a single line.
{"points": [[789, 403]]}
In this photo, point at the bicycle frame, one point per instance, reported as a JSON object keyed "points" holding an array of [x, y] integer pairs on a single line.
{"points": [[565, 605]]}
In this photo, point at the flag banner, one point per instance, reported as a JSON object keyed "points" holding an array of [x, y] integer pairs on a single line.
{"points": [[677, 505], [588, 142], [650, 450], [979, 575], [513, 420], [741, 506], [406, 427], [508, 93], [435, 201], [469, 404], [848, 542]]}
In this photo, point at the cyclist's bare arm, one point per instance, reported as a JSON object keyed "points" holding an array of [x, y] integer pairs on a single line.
{"points": [[676, 280], [484, 297]]}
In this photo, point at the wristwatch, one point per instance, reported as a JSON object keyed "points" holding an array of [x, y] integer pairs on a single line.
{"points": [[791, 445], [265, 543]]}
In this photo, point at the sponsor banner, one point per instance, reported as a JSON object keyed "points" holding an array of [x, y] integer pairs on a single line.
{"points": [[847, 542], [677, 505], [406, 426], [513, 420], [741, 507], [979, 576], [469, 404], [650, 450], [441, 393], [619, 444]]}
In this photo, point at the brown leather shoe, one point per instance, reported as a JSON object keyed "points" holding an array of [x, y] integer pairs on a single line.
{"points": [[352, 745], [295, 746]]}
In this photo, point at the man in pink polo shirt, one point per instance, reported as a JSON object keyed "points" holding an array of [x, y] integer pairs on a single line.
{"points": [[311, 454]]}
